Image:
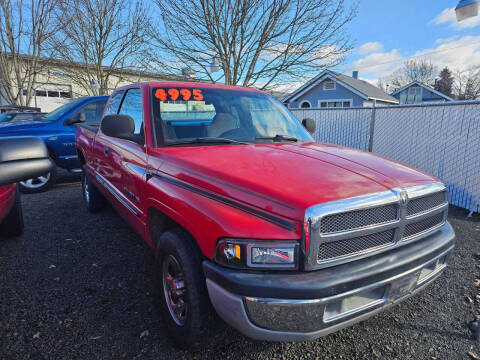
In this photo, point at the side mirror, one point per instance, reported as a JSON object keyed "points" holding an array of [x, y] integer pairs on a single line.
{"points": [[76, 118], [22, 158], [119, 126], [309, 124]]}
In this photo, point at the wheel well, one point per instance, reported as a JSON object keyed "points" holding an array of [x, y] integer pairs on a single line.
{"points": [[159, 223], [81, 157], [52, 153]]}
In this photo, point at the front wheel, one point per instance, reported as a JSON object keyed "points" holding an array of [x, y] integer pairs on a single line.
{"points": [[40, 183], [180, 290], [12, 224]]}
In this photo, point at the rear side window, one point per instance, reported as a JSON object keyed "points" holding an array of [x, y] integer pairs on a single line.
{"points": [[114, 104], [132, 106]]}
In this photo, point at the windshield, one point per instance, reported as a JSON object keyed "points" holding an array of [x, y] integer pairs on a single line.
{"points": [[60, 111], [183, 114]]}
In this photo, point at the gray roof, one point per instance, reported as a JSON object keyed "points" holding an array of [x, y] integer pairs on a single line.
{"points": [[363, 87], [425, 86]]}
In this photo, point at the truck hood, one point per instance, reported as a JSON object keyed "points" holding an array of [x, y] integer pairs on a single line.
{"points": [[287, 178]]}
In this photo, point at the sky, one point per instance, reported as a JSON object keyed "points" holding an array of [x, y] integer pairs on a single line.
{"points": [[387, 32]]}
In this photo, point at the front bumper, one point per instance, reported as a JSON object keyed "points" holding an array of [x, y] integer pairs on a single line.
{"points": [[307, 305]]}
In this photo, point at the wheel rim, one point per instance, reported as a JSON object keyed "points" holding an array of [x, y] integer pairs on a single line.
{"points": [[174, 289], [36, 182], [86, 190]]}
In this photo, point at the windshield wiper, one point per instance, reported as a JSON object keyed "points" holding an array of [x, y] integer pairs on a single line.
{"points": [[277, 138], [206, 140]]}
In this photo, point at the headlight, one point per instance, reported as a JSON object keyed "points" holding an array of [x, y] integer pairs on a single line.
{"points": [[251, 254]]}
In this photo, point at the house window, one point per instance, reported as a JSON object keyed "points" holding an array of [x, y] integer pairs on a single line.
{"points": [[305, 105], [65, 94], [53, 94], [336, 104], [40, 93], [414, 95], [329, 85]]}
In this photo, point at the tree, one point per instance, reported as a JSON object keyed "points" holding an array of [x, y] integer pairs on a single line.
{"points": [[254, 42], [99, 40], [445, 83], [414, 70], [467, 84], [25, 26]]}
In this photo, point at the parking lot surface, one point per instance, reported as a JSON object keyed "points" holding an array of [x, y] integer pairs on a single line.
{"points": [[78, 286]]}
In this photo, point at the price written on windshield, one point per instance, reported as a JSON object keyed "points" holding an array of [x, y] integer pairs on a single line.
{"points": [[179, 94]]}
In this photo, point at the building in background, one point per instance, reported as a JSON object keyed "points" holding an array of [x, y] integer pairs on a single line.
{"points": [[54, 84], [330, 89], [418, 93]]}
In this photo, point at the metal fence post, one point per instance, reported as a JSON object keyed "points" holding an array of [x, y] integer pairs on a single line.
{"points": [[372, 129]]}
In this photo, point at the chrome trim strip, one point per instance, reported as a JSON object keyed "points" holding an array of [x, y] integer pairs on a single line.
{"points": [[68, 157], [432, 274], [363, 231], [117, 195], [430, 212], [424, 233], [316, 212], [360, 309], [426, 189]]}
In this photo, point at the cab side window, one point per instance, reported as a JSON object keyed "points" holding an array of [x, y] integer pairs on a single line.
{"points": [[132, 106], [114, 104]]}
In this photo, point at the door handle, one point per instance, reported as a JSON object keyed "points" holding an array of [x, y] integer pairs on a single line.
{"points": [[106, 151]]}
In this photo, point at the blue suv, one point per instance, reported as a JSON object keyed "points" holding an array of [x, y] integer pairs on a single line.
{"points": [[57, 130]]}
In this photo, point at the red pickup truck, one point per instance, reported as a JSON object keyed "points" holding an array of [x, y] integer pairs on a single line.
{"points": [[287, 238]]}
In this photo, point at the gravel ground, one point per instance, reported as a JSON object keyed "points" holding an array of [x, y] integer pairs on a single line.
{"points": [[78, 286]]}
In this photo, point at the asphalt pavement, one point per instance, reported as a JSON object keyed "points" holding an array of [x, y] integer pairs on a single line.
{"points": [[79, 286]]}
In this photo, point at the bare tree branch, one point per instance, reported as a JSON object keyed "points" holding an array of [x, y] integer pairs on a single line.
{"points": [[100, 38], [256, 42], [25, 26], [421, 70]]}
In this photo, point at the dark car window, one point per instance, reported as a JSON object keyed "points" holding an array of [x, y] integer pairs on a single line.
{"points": [[93, 111], [132, 106], [62, 110], [6, 117], [24, 117], [114, 104]]}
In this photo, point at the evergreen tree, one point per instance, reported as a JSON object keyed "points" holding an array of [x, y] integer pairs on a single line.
{"points": [[445, 83]]}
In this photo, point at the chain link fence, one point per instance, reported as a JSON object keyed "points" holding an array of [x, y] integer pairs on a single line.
{"points": [[441, 139]]}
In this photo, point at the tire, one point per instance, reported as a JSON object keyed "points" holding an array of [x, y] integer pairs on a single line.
{"points": [[94, 199], [12, 225], [190, 328], [40, 183]]}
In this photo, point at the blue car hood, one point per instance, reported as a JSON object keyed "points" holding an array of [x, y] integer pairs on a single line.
{"points": [[17, 126]]}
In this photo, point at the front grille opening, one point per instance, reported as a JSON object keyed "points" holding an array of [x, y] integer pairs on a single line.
{"points": [[419, 205], [354, 246], [423, 225], [356, 219]]}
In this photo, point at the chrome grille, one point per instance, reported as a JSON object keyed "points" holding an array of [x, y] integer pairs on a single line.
{"points": [[359, 218], [340, 248], [349, 229], [423, 225], [419, 205]]}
